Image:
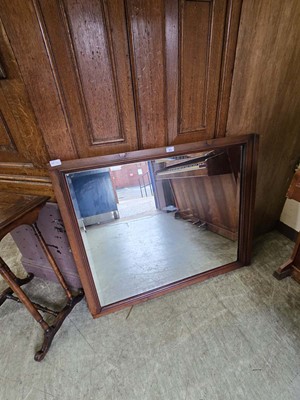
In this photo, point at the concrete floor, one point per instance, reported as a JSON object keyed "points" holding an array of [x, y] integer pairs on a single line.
{"points": [[143, 253], [235, 337], [132, 207]]}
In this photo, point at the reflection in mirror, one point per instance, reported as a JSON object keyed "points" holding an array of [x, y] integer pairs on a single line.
{"points": [[151, 223]]}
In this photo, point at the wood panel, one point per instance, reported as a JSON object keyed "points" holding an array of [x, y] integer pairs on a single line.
{"points": [[146, 26], [195, 26], [33, 185], [194, 43], [212, 199], [7, 143], [100, 77], [22, 149], [177, 57], [92, 48], [265, 98], [22, 28], [87, 46]]}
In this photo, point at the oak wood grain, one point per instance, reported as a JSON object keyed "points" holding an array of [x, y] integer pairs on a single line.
{"points": [[199, 63], [24, 141], [146, 27], [23, 154], [96, 69], [14, 206], [29, 187], [265, 98], [88, 49], [6, 140], [195, 26], [21, 25]]}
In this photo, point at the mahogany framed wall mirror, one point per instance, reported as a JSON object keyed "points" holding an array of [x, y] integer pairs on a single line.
{"points": [[144, 223]]}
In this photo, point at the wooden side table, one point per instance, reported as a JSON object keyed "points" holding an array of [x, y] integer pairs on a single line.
{"points": [[16, 210], [292, 265]]}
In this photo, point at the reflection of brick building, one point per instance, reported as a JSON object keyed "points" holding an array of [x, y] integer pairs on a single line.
{"points": [[128, 175]]}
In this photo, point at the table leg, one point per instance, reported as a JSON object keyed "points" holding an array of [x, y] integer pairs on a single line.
{"points": [[72, 300], [50, 333], [15, 283], [292, 265], [8, 292]]}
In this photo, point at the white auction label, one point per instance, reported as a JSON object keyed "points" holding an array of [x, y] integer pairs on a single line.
{"points": [[169, 149], [55, 163]]}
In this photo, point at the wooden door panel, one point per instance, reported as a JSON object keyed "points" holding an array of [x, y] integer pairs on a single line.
{"points": [[22, 28], [96, 68], [23, 154], [193, 63], [146, 27], [194, 43], [22, 150], [109, 76], [87, 43], [182, 58]]}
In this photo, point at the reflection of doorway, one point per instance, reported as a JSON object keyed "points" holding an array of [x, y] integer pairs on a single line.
{"points": [[159, 236], [134, 189]]}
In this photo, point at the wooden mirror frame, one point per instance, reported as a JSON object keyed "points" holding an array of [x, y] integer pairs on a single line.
{"points": [[249, 146]]}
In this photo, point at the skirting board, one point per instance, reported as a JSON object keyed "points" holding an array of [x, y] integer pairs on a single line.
{"points": [[287, 231]]}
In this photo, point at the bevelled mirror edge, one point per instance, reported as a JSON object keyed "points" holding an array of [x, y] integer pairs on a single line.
{"points": [[249, 145]]}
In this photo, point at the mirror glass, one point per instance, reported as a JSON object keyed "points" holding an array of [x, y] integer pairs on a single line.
{"points": [[150, 223]]}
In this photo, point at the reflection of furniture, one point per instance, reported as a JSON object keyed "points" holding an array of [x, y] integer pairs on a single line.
{"points": [[212, 198], [93, 196], [16, 210], [89, 272], [292, 265]]}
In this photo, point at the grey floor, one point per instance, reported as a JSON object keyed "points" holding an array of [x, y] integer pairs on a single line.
{"points": [[143, 253], [232, 337]]}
